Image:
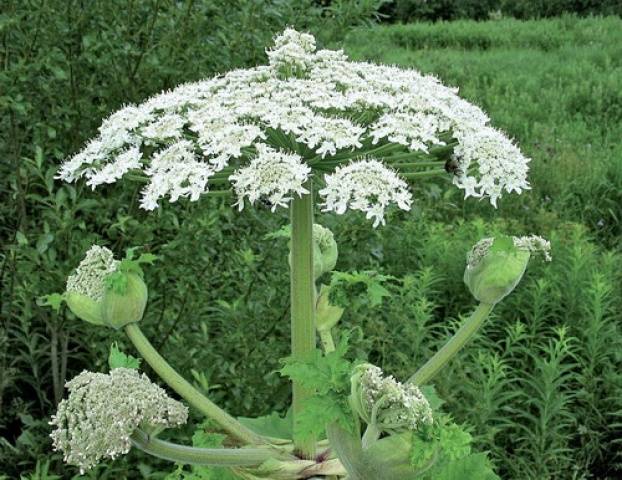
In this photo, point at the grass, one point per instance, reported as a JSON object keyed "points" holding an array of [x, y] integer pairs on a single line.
{"points": [[554, 85]]}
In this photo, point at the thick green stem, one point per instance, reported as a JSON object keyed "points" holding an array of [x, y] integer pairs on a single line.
{"points": [[302, 300], [187, 391], [453, 345], [225, 457]]}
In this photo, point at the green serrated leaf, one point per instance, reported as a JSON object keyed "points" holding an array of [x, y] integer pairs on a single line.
{"points": [[472, 467], [53, 300], [118, 359]]}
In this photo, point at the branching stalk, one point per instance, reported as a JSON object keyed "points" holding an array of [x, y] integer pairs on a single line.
{"points": [[224, 457], [187, 391], [453, 345]]}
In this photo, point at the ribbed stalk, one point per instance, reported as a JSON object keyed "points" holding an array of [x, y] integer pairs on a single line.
{"points": [[187, 391], [302, 300], [225, 457], [453, 345]]}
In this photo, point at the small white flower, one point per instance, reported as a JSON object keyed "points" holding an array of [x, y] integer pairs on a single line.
{"points": [[272, 175], [292, 49], [367, 186], [112, 171], [535, 244], [165, 128], [175, 171]]}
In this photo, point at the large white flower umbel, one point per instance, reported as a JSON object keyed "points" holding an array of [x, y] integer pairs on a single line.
{"points": [[266, 130]]}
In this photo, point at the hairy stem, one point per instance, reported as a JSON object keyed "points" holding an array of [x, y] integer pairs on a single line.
{"points": [[453, 345], [302, 300], [225, 457], [187, 391]]}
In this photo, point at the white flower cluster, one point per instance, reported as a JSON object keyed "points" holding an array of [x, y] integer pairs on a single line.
{"points": [[102, 411], [367, 186], [532, 243], [292, 50], [270, 175], [535, 244], [313, 102], [88, 279], [397, 407]]}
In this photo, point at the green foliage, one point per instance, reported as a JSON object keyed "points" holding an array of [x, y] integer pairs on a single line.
{"points": [[347, 288], [272, 425], [444, 452], [328, 375], [118, 359]]}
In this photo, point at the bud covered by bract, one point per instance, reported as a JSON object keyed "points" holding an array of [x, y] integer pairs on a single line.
{"points": [[86, 287], [496, 265], [105, 291], [387, 404], [325, 250], [326, 315]]}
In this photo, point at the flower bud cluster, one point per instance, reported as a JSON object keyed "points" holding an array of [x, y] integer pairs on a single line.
{"points": [[387, 404], [89, 277], [496, 266], [102, 411], [92, 295], [292, 51], [325, 250]]}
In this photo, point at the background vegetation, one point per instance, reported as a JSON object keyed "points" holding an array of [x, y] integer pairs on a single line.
{"points": [[541, 387]]}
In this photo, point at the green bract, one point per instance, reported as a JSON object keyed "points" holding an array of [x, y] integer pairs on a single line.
{"points": [[85, 308], [120, 308], [326, 315]]}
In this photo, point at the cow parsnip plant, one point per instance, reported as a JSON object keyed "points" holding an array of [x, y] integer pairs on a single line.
{"points": [[310, 125]]}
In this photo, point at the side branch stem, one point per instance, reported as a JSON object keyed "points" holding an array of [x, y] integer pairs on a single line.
{"points": [[225, 457], [187, 391], [302, 300], [453, 345]]}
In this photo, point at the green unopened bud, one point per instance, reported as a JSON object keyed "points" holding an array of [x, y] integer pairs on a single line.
{"points": [[326, 315], [325, 250], [496, 265], [105, 291], [86, 287], [125, 300]]}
